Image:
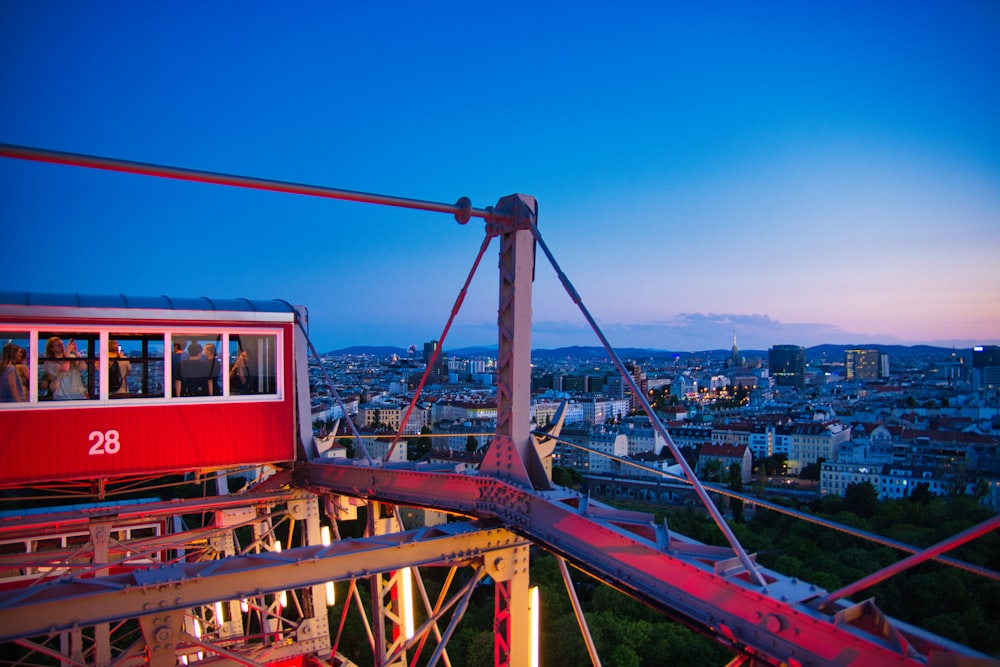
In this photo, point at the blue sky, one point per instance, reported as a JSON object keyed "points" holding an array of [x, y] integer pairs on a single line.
{"points": [[797, 172]]}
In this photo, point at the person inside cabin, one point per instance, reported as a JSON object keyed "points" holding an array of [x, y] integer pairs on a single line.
{"points": [[22, 368], [214, 370], [195, 373], [119, 368], [239, 374], [11, 388], [63, 368], [175, 367]]}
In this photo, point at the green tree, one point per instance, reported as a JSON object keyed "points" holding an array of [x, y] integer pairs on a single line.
{"points": [[567, 477], [982, 488], [736, 484], [471, 444], [348, 445], [480, 650], [921, 493], [624, 655], [812, 470], [861, 498], [712, 470], [774, 464], [421, 447]]}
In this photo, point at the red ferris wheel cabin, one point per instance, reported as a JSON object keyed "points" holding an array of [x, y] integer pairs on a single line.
{"points": [[113, 386]]}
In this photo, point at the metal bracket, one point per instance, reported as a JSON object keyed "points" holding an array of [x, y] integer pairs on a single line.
{"points": [[512, 213], [162, 632]]}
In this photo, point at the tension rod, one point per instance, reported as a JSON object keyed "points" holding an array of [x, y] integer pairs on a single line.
{"points": [[462, 209]]}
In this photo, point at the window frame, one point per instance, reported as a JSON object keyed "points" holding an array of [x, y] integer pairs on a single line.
{"points": [[145, 361], [102, 333]]}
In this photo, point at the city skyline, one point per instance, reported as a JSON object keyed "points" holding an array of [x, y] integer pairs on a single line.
{"points": [[888, 347], [799, 174]]}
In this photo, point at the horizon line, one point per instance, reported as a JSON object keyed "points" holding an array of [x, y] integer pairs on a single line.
{"points": [[968, 346]]}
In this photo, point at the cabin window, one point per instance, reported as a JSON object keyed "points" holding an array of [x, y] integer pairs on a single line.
{"points": [[67, 366], [253, 364], [51, 365], [15, 378], [135, 365], [197, 366]]}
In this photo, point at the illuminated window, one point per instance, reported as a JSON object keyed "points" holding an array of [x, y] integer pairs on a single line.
{"points": [[253, 364], [14, 382], [195, 364], [67, 366], [135, 365]]}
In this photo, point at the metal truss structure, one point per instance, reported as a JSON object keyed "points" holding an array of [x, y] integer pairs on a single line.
{"points": [[251, 577]]}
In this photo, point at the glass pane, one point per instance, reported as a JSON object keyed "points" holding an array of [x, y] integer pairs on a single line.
{"points": [[14, 367], [67, 366], [137, 361], [253, 364], [197, 366]]}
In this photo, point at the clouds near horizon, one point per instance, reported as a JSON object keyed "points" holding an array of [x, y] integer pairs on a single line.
{"points": [[688, 332]]}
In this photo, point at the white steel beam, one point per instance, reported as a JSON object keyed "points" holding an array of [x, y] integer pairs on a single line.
{"points": [[74, 602]]}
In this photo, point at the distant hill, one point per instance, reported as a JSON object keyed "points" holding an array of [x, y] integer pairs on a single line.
{"points": [[817, 352], [595, 352]]}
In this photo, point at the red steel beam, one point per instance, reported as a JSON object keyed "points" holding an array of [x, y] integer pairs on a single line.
{"points": [[777, 622], [11, 528], [462, 209], [927, 554]]}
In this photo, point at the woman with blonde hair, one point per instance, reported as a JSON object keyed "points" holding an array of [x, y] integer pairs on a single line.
{"points": [[11, 388], [62, 368]]}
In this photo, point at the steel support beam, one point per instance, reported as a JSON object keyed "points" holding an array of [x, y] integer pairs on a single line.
{"points": [[74, 602], [389, 613], [512, 454], [64, 521], [581, 619], [511, 614], [952, 542], [706, 587], [462, 209]]}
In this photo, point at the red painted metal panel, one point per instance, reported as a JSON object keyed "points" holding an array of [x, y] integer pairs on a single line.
{"points": [[48, 442], [107, 441]]}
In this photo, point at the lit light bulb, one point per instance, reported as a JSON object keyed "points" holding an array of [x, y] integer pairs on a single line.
{"points": [[331, 594], [533, 614], [407, 587]]}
